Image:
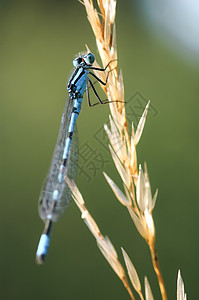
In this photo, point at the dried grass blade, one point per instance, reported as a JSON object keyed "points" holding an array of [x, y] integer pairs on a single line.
{"points": [[148, 292], [107, 24], [140, 126], [112, 260], [153, 202], [148, 195], [112, 11], [101, 7], [140, 191], [121, 89], [129, 194], [118, 193], [110, 246], [138, 224], [76, 193], [121, 170], [114, 45], [118, 144], [94, 19], [132, 272], [180, 288], [91, 224]]}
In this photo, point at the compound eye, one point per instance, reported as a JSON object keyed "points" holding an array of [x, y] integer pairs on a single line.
{"points": [[89, 58], [77, 61]]}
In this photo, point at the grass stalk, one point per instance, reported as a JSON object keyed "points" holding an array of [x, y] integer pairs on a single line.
{"points": [[137, 198], [157, 270]]}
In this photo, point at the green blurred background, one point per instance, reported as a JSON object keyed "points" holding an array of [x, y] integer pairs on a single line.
{"points": [[38, 42]]}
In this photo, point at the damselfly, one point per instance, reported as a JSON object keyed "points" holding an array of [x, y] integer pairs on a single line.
{"points": [[55, 195]]}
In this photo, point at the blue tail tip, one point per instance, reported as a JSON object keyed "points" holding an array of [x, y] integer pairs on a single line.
{"points": [[42, 248]]}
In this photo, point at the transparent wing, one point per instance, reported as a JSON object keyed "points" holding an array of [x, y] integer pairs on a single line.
{"points": [[46, 195]]}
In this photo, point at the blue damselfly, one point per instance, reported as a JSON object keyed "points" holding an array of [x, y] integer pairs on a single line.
{"points": [[55, 194]]}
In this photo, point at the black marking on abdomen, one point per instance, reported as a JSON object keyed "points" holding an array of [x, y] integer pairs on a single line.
{"points": [[65, 162], [70, 135], [75, 110], [48, 227]]}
